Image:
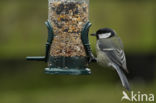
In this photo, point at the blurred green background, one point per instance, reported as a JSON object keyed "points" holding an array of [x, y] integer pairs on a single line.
{"points": [[23, 33]]}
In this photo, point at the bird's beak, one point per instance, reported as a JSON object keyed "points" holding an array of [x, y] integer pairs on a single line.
{"points": [[93, 34]]}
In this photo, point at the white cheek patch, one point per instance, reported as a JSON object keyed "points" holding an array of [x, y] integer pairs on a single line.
{"points": [[106, 35]]}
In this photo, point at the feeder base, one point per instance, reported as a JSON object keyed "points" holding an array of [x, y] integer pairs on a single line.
{"points": [[60, 71]]}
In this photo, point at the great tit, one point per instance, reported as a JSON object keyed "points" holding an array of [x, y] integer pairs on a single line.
{"points": [[110, 52]]}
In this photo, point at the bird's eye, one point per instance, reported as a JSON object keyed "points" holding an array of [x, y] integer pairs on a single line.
{"points": [[105, 35]]}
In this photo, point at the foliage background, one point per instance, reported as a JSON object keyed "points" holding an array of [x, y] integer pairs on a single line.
{"points": [[22, 33]]}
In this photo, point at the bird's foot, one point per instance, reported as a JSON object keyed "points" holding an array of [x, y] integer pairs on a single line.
{"points": [[92, 60]]}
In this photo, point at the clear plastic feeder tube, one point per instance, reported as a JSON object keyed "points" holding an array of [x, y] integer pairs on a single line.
{"points": [[67, 18]]}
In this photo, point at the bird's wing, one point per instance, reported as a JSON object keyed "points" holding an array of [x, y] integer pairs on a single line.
{"points": [[116, 55]]}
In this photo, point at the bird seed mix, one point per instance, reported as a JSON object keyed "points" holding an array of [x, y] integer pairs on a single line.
{"points": [[67, 19]]}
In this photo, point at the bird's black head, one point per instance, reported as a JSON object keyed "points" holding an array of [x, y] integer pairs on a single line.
{"points": [[104, 33]]}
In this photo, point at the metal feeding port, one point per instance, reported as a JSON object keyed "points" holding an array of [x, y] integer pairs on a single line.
{"points": [[67, 48]]}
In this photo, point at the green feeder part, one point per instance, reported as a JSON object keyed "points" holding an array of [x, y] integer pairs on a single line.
{"points": [[67, 49]]}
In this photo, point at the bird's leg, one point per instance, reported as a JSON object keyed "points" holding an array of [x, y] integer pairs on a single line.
{"points": [[92, 59], [90, 54], [85, 40]]}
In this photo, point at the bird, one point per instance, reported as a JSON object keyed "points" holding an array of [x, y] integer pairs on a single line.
{"points": [[110, 52], [125, 96]]}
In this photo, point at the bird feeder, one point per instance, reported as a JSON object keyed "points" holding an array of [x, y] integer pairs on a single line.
{"points": [[67, 48]]}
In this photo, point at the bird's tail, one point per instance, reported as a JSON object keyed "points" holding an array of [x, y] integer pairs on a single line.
{"points": [[122, 76]]}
